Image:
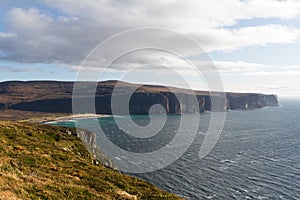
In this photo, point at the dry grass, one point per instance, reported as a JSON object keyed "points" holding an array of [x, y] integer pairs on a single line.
{"points": [[34, 164], [29, 116]]}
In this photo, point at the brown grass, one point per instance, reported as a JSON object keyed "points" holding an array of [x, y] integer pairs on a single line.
{"points": [[34, 164]]}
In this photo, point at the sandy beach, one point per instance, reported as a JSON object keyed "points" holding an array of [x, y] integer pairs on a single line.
{"points": [[74, 116]]}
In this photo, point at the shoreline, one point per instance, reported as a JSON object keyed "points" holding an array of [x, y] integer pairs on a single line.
{"points": [[72, 117]]}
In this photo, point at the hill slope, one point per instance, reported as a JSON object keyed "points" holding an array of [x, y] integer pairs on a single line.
{"points": [[43, 162]]}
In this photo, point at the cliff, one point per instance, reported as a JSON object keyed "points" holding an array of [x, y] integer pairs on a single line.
{"points": [[56, 97], [45, 162]]}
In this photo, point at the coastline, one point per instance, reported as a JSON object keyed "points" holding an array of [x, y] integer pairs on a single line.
{"points": [[72, 117], [43, 117]]}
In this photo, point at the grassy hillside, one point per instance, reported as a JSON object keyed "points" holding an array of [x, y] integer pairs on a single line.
{"points": [[43, 162]]}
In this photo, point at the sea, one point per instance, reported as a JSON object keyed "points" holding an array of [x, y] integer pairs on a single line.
{"points": [[256, 157]]}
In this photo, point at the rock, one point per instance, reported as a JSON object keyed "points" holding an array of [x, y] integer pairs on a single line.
{"points": [[66, 149]]}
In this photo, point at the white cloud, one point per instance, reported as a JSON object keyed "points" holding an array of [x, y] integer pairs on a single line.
{"points": [[239, 66], [36, 36], [7, 35], [292, 67], [253, 36], [176, 14], [276, 73], [13, 69]]}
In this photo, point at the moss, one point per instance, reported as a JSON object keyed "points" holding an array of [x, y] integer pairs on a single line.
{"points": [[34, 164]]}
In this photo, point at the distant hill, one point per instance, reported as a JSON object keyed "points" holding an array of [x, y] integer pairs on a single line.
{"points": [[56, 97], [45, 162]]}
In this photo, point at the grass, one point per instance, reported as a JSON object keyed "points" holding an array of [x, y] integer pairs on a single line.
{"points": [[43, 162]]}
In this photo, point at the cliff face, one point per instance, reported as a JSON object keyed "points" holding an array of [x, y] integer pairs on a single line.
{"points": [[251, 101], [52, 96], [2, 106], [272, 100]]}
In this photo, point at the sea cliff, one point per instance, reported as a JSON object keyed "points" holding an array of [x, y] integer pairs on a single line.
{"points": [[56, 97]]}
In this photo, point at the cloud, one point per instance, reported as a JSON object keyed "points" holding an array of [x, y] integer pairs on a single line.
{"points": [[229, 40], [7, 35], [12, 69], [188, 14], [37, 36], [274, 73], [42, 38], [163, 64], [240, 66], [292, 67]]}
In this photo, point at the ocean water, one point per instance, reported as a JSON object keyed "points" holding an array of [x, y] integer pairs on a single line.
{"points": [[257, 155]]}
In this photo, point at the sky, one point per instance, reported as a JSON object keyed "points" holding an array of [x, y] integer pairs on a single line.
{"points": [[253, 44]]}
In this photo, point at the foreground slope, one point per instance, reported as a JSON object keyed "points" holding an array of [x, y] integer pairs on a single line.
{"points": [[43, 162]]}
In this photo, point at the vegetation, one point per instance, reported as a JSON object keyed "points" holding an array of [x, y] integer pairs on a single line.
{"points": [[43, 162]]}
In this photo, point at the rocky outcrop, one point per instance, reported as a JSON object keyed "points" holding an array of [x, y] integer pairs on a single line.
{"points": [[2, 106], [56, 97], [89, 138], [250, 101], [271, 100]]}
